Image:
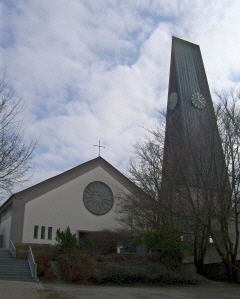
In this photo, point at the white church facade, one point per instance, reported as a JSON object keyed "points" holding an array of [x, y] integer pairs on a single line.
{"points": [[83, 198]]}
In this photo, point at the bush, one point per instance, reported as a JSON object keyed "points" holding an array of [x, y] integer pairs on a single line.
{"points": [[45, 269], [218, 271], [120, 269], [66, 240], [166, 242], [76, 267], [141, 274]]}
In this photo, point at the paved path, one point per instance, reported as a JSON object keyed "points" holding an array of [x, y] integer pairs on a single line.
{"points": [[19, 290], [214, 291], [31, 290]]}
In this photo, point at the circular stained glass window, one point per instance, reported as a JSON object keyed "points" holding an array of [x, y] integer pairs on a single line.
{"points": [[98, 198]]}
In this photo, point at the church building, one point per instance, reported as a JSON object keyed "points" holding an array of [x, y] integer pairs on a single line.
{"points": [[195, 184], [83, 198]]}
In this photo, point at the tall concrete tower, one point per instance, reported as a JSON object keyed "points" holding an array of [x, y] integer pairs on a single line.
{"points": [[193, 156]]}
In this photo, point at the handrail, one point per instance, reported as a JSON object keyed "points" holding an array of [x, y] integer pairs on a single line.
{"points": [[12, 249], [32, 264]]}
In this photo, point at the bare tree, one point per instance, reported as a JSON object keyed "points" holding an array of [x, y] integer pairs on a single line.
{"points": [[228, 116], [204, 203], [138, 212], [15, 153], [205, 190], [145, 168], [142, 211]]}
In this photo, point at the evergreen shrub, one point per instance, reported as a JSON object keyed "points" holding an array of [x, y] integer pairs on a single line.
{"points": [[66, 240]]}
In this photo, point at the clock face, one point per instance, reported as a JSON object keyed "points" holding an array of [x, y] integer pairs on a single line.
{"points": [[98, 198], [172, 101], [198, 100]]}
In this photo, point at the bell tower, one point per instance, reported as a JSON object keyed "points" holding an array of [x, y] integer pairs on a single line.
{"points": [[193, 156]]}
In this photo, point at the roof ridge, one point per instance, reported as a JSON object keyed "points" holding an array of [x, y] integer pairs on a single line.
{"points": [[70, 174]]}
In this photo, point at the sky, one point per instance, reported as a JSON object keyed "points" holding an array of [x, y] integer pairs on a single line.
{"points": [[90, 70]]}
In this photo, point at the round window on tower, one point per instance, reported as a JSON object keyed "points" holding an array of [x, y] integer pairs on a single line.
{"points": [[98, 198]]}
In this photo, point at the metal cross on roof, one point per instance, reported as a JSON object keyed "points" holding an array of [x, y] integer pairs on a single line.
{"points": [[99, 147]]}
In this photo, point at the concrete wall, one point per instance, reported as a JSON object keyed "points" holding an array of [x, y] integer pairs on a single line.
{"points": [[5, 228], [64, 207], [232, 232], [16, 231]]}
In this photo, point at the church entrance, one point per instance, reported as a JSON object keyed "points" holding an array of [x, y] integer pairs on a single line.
{"points": [[82, 238]]}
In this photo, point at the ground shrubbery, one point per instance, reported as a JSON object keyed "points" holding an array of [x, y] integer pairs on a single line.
{"points": [[98, 263], [126, 269], [166, 241], [139, 269], [46, 266], [217, 271], [76, 267], [149, 274]]}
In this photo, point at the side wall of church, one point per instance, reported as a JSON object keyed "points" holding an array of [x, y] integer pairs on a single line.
{"points": [[5, 228], [64, 207]]}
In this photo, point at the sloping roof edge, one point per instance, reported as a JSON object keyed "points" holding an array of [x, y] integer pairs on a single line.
{"points": [[64, 177]]}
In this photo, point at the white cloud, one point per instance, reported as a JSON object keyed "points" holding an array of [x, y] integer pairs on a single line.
{"points": [[90, 70]]}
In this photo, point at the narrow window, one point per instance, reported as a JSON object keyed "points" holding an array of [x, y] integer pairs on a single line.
{"points": [[43, 232], [35, 235], [50, 233]]}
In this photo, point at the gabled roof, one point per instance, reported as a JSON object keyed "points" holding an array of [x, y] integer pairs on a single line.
{"points": [[58, 180]]}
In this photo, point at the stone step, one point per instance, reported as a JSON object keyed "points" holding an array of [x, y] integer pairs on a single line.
{"points": [[16, 278], [14, 262], [5, 255], [13, 269], [18, 271]]}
